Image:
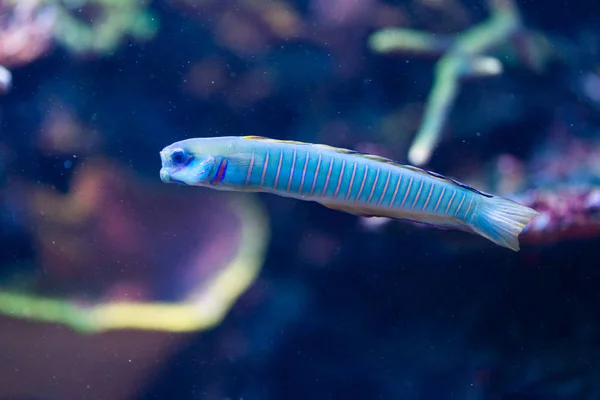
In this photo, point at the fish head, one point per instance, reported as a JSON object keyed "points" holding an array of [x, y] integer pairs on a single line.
{"points": [[183, 165]]}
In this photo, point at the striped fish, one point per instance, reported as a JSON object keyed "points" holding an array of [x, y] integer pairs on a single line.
{"points": [[344, 180]]}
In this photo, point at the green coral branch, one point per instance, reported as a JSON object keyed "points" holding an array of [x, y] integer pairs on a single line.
{"points": [[101, 32], [407, 40], [204, 307], [117, 19], [462, 55]]}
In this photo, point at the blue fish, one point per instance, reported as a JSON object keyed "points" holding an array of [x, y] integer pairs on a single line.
{"points": [[344, 180]]}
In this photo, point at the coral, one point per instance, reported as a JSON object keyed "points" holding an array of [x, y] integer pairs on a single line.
{"points": [[567, 214], [25, 31], [28, 28], [157, 273], [99, 26], [464, 55]]}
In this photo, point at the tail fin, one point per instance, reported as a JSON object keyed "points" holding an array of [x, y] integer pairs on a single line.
{"points": [[501, 220]]}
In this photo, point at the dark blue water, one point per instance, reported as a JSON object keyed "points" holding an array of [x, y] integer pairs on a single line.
{"points": [[340, 310]]}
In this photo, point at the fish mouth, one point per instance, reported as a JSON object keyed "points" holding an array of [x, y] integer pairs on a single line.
{"points": [[165, 176]]}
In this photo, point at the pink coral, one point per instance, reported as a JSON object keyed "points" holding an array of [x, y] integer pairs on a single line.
{"points": [[25, 31]]}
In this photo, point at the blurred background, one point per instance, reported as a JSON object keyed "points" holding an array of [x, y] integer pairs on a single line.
{"points": [[116, 286]]}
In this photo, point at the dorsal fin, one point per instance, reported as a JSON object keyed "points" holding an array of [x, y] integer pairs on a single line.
{"points": [[373, 157], [273, 140]]}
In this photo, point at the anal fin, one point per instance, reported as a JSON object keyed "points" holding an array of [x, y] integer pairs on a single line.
{"points": [[354, 210], [436, 221]]}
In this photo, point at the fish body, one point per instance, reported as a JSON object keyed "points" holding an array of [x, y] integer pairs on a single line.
{"points": [[344, 180]]}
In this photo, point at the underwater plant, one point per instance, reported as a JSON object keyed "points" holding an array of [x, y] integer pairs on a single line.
{"points": [[468, 54]]}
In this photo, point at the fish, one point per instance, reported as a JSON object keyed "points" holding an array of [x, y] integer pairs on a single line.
{"points": [[345, 180]]}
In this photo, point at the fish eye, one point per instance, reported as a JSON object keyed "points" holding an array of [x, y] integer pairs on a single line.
{"points": [[178, 157]]}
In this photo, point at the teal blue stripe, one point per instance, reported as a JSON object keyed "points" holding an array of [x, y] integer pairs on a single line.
{"points": [[383, 174], [292, 170], [351, 192], [309, 175], [362, 181], [465, 206], [278, 171], [435, 195], [286, 168], [380, 186], [461, 197], [271, 167], [397, 201], [414, 188], [424, 193], [369, 183], [256, 167], [344, 183], [450, 190], [359, 180], [335, 176], [298, 167], [345, 187], [269, 160], [417, 189], [322, 182], [309, 172], [391, 188], [320, 176], [407, 186]]}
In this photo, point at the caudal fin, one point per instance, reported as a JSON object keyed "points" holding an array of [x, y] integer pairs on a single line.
{"points": [[501, 220]]}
